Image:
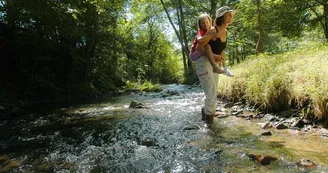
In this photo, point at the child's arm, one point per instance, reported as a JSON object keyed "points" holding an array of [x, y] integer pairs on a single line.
{"points": [[207, 37], [203, 40]]}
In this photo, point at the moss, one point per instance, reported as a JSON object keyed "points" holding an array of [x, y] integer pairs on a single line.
{"points": [[6, 164]]}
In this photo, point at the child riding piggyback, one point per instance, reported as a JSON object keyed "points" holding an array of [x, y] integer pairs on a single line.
{"points": [[201, 48]]}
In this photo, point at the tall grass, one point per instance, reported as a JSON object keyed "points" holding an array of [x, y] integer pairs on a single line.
{"points": [[296, 79]]}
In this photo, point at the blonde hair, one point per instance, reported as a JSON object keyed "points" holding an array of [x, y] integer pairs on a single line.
{"points": [[203, 16]]}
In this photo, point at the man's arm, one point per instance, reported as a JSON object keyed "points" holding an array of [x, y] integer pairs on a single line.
{"points": [[220, 57]]}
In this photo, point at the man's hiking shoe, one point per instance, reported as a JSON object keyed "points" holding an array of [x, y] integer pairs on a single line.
{"points": [[216, 114]]}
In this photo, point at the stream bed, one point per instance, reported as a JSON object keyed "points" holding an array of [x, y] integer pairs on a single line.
{"points": [[167, 136]]}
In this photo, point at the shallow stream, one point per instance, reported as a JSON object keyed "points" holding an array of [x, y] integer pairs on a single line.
{"points": [[168, 137]]}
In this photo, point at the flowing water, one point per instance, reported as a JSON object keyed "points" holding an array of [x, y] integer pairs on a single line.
{"points": [[168, 137]]}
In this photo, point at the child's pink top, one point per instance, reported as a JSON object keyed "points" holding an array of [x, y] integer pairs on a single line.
{"points": [[201, 32]]}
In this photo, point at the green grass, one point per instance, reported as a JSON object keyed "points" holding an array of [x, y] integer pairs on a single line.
{"points": [[147, 86], [295, 79]]}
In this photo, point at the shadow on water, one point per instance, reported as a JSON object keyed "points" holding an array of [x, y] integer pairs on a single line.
{"points": [[168, 137]]}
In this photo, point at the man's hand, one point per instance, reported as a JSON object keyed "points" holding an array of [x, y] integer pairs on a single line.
{"points": [[218, 58], [215, 35]]}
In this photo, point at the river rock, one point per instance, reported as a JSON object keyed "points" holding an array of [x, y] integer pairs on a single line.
{"points": [[228, 105], [306, 163], [269, 117], [267, 125], [131, 91], [249, 116], [192, 127], [262, 159], [286, 113], [239, 112], [306, 121], [281, 126], [259, 116], [235, 109], [268, 133], [238, 104], [137, 105], [297, 123], [171, 93], [149, 142], [324, 132], [324, 135]]}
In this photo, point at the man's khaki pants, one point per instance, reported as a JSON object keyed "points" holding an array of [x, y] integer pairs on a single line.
{"points": [[209, 80]]}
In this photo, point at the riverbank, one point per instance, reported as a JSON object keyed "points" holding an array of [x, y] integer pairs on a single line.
{"points": [[274, 83]]}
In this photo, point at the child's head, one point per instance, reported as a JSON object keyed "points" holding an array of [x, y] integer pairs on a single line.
{"points": [[204, 21]]}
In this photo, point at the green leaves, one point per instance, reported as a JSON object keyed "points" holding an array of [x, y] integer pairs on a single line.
{"points": [[74, 16]]}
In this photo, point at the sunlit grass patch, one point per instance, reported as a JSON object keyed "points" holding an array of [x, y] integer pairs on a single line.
{"points": [[296, 79], [145, 86]]}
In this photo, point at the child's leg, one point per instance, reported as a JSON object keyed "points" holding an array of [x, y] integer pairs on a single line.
{"points": [[209, 54], [223, 63], [200, 47], [195, 55]]}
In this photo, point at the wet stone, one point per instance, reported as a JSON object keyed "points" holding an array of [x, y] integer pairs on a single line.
{"points": [[137, 105], [238, 112], [235, 109], [269, 117], [249, 117], [281, 126], [228, 105], [306, 163], [306, 121], [325, 135], [218, 152], [268, 133], [259, 116], [132, 91], [262, 159], [170, 93], [238, 103], [286, 113], [297, 123], [148, 142], [267, 125], [192, 127]]}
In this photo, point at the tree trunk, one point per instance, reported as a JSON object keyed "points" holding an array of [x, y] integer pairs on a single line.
{"points": [[181, 34], [184, 38], [325, 20], [260, 28], [172, 24], [214, 4]]}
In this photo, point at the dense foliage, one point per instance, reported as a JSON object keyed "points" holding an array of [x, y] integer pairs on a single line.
{"points": [[59, 51]]}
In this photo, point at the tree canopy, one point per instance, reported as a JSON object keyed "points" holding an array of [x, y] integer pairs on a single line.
{"points": [[66, 50]]}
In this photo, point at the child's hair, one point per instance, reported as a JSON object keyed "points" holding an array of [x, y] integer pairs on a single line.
{"points": [[202, 16]]}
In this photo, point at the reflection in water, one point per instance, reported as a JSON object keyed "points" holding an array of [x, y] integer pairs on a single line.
{"points": [[168, 137]]}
